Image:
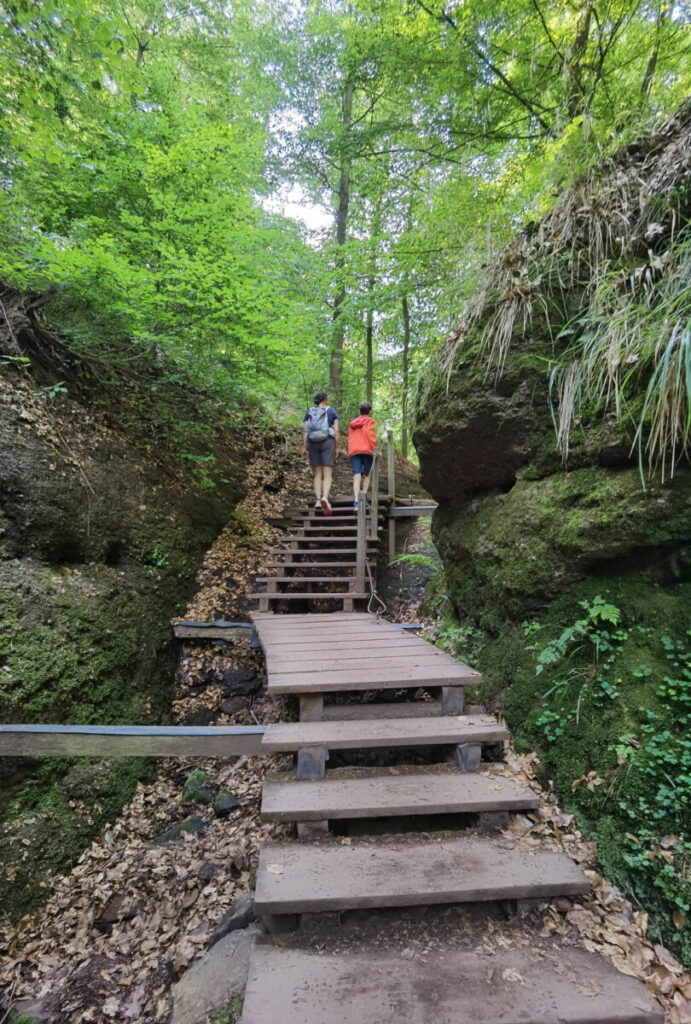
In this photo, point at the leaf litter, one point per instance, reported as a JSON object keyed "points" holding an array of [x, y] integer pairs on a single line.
{"points": [[134, 914]]}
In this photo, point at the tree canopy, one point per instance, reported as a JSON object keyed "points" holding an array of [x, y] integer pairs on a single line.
{"points": [[144, 145]]}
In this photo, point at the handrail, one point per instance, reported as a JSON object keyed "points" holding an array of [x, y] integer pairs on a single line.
{"points": [[40, 740], [374, 496], [361, 542]]}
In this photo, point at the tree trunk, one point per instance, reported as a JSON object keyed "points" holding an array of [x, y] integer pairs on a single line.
{"points": [[369, 324], [573, 64], [406, 358], [336, 367], [654, 54]]}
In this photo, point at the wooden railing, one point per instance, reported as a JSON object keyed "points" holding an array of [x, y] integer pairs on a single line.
{"points": [[130, 740]]}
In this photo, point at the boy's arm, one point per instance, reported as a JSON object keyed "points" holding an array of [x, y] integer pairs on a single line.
{"points": [[337, 437], [304, 436]]}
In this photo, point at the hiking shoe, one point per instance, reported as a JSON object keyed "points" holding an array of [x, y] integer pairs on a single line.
{"points": [[318, 503], [356, 504], [326, 507]]}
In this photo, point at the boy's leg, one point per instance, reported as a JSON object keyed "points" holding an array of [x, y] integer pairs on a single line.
{"points": [[357, 477]]}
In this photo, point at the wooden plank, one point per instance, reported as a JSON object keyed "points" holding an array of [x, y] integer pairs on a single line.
{"points": [[391, 732], [377, 679], [317, 644], [404, 511], [332, 983], [348, 661], [407, 872], [394, 793], [303, 579], [129, 740], [334, 654], [291, 623], [390, 709], [314, 595], [212, 632]]}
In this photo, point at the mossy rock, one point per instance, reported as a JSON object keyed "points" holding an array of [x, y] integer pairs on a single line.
{"points": [[199, 788], [519, 548], [190, 825]]}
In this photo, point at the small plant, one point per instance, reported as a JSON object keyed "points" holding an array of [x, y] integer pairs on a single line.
{"points": [[594, 627], [459, 639], [158, 559], [53, 390], [414, 560]]}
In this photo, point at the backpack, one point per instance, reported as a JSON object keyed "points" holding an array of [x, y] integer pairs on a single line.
{"points": [[318, 428]]}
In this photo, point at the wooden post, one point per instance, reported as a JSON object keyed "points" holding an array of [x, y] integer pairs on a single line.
{"points": [[361, 543], [390, 466], [374, 497]]}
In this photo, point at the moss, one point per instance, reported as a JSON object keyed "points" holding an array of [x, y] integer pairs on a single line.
{"points": [[50, 822], [512, 550], [199, 788], [592, 728]]}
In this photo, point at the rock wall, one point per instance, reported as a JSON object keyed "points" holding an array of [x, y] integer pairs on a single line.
{"points": [[102, 527], [575, 576]]}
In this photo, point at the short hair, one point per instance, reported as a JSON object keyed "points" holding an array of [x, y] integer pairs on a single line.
{"points": [[365, 408], [319, 397]]}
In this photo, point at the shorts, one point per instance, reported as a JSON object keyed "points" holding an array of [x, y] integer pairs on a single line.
{"points": [[321, 453], [362, 463]]}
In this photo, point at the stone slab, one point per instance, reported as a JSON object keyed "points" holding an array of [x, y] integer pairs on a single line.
{"points": [[386, 795], [396, 732], [564, 986], [213, 980], [298, 879]]}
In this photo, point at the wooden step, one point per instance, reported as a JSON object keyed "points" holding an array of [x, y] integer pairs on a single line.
{"points": [[325, 655], [304, 579], [298, 878], [283, 564], [376, 710], [315, 596], [348, 542], [444, 985], [318, 645], [327, 528], [435, 672], [394, 792], [361, 661], [401, 732]]}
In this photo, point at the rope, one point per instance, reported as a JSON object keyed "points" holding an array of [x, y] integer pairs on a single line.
{"points": [[373, 594]]}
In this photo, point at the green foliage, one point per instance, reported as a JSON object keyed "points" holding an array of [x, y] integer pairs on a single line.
{"points": [[612, 725], [414, 559]]}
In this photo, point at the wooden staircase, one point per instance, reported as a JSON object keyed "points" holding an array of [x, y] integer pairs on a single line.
{"points": [[294, 982], [324, 558]]}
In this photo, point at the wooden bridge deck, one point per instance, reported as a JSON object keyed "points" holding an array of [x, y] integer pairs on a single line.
{"points": [[351, 651]]}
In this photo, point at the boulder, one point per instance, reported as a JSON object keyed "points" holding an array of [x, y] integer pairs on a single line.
{"points": [[215, 980], [240, 915], [198, 788], [233, 705], [239, 682], [191, 824], [225, 803]]}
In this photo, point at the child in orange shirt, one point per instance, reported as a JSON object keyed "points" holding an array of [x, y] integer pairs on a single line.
{"points": [[362, 440]]}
